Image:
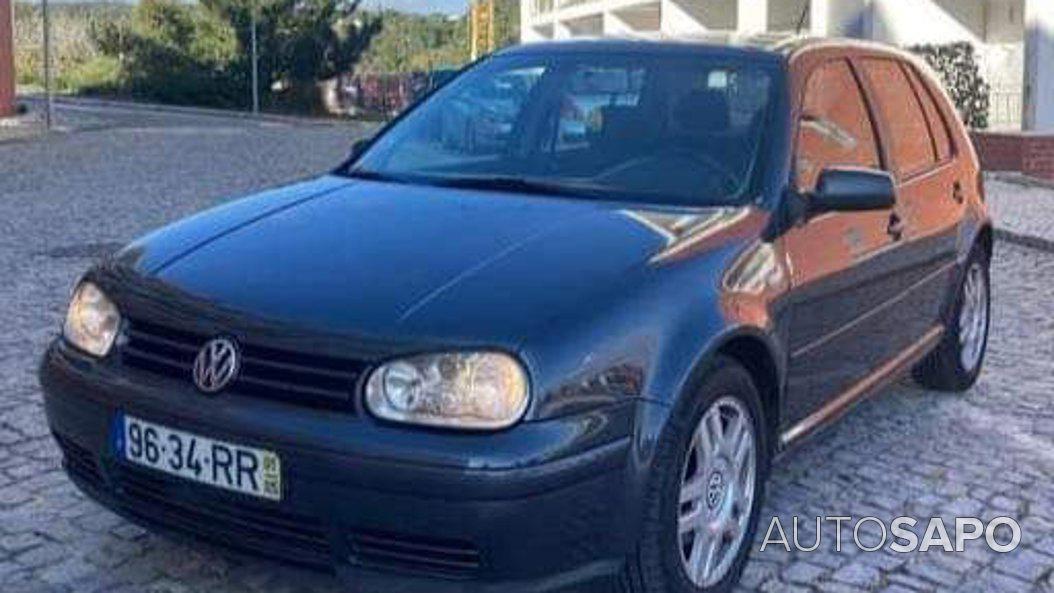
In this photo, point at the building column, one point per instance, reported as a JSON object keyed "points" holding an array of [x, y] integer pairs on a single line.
{"points": [[7, 59], [1039, 74], [819, 12], [526, 21], [752, 16]]}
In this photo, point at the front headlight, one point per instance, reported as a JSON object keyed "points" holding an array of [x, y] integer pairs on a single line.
{"points": [[470, 390], [92, 320]]}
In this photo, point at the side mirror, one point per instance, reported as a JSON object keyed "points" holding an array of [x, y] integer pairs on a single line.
{"points": [[852, 190]]}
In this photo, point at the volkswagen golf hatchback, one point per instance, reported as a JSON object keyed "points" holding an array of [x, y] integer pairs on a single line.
{"points": [[547, 330]]}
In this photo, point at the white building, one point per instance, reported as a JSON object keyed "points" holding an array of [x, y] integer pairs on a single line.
{"points": [[1014, 38]]}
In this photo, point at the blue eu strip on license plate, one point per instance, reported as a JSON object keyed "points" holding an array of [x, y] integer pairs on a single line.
{"points": [[233, 467]]}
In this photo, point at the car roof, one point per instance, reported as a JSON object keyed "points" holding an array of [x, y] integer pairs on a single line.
{"points": [[772, 45], [650, 45]]}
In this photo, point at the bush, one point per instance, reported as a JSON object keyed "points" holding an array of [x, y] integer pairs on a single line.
{"points": [[957, 66], [175, 52], [197, 52], [98, 75], [72, 43]]}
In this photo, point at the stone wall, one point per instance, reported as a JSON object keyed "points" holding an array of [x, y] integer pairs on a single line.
{"points": [[1024, 152]]}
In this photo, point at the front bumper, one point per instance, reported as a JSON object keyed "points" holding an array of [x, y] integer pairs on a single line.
{"points": [[544, 506]]}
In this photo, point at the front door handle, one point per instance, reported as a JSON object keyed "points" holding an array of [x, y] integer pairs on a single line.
{"points": [[896, 226]]}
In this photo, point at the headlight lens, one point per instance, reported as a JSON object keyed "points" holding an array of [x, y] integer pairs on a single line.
{"points": [[92, 320], [470, 390]]}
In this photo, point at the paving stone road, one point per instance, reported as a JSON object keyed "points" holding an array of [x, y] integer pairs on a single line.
{"points": [[68, 199]]}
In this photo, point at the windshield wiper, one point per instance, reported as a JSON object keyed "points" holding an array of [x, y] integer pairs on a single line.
{"points": [[524, 185], [501, 183], [372, 175]]}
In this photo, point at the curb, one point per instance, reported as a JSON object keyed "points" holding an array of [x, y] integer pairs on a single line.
{"points": [[1022, 239], [197, 111], [1016, 178], [1030, 241]]}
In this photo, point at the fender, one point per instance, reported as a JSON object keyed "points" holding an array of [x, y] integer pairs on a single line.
{"points": [[655, 415]]}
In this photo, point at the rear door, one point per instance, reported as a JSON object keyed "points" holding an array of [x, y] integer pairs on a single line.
{"points": [[845, 265], [930, 192]]}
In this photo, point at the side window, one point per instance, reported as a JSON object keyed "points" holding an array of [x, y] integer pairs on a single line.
{"points": [[941, 137], [835, 127], [910, 144]]}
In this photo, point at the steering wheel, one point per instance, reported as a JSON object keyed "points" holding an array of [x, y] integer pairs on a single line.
{"points": [[729, 180]]}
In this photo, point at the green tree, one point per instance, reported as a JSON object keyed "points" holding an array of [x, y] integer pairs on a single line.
{"points": [[506, 22], [301, 42], [175, 52], [410, 43]]}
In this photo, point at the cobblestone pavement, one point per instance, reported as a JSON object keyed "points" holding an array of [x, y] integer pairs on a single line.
{"points": [[1023, 208], [911, 452]]}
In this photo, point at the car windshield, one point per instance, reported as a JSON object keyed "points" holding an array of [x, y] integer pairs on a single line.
{"points": [[663, 129]]}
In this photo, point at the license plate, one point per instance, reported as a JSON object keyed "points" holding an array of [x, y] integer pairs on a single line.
{"points": [[248, 470]]}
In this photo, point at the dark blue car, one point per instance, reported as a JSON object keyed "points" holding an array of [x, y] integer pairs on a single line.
{"points": [[560, 359]]}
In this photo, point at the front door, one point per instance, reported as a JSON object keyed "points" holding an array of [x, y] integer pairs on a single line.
{"points": [[844, 265]]}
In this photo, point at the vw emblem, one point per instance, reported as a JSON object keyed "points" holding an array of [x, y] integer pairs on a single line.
{"points": [[216, 365], [715, 490]]}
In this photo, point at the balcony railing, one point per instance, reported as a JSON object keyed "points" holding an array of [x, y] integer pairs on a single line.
{"points": [[1004, 109], [539, 7], [567, 3]]}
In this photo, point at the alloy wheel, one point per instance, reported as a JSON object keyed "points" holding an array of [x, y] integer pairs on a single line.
{"points": [[973, 318], [717, 491]]}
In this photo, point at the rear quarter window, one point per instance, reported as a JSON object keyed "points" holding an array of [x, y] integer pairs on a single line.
{"points": [[938, 125]]}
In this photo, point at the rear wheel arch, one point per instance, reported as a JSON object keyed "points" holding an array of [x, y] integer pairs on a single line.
{"points": [[986, 240]]}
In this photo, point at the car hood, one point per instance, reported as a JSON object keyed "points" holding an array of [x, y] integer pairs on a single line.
{"points": [[383, 260]]}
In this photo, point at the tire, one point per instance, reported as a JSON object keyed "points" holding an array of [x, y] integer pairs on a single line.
{"points": [[957, 361], [660, 561]]}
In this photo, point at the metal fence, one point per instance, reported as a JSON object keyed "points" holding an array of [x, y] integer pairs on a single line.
{"points": [[1005, 108], [385, 95]]}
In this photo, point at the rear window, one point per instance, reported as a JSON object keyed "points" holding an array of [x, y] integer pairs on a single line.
{"points": [[912, 147]]}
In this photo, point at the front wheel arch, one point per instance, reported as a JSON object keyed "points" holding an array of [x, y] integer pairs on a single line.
{"points": [[757, 358]]}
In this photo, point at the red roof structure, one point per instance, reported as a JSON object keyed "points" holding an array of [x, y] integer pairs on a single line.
{"points": [[7, 59]]}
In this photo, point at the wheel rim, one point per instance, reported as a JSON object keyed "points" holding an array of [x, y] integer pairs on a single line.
{"points": [[717, 491], [973, 318]]}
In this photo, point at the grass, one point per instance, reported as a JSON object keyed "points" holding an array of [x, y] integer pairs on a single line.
{"points": [[78, 63]]}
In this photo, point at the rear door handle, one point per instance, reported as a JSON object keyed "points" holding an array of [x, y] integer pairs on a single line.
{"points": [[896, 226]]}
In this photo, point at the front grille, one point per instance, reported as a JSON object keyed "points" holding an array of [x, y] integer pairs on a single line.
{"points": [[309, 379], [386, 551], [246, 525]]}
